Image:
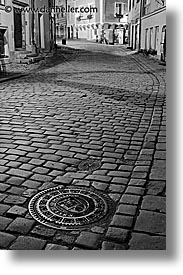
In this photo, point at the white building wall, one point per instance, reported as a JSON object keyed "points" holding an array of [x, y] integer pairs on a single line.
{"points": [[6, 22], [150, 22]]}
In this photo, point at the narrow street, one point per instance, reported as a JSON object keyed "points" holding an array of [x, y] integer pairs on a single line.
{"points": [[103, 103]]}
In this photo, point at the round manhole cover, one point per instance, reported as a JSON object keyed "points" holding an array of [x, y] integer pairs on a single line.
{"points": [[71, 207], [89, 165]]}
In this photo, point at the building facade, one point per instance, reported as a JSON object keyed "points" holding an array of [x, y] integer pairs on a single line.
{"points": [[147, 26], [14, 27], [134, 7], [92, 17], [153, 31], [20, 27]]}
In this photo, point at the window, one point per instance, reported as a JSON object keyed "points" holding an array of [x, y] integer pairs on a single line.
{"points": [[130, 5], [146, 6], [146, 2], [151, 39], [1, 42], [156, 39], [119, 9], [146, 39]]}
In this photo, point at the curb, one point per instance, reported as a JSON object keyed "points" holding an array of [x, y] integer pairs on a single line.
{"points": [[12, 77]]}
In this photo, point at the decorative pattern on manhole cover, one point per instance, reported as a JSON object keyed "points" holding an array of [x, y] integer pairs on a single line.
{"points": [[71, 208], [89, 165]]}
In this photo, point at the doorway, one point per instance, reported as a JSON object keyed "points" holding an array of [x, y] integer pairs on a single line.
{"points": [[18, 29]]}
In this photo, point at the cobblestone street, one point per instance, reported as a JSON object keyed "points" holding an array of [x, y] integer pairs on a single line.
{"points": [[101, 102]]}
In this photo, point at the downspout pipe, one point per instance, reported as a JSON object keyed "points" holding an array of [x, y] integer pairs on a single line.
{"points": [[140, 25]]}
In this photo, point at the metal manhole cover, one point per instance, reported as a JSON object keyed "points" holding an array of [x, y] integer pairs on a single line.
{"points": [[89, 165], [71, 208]]}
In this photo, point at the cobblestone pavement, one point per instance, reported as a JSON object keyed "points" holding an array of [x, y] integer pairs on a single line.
{"points": [[102, 102]]}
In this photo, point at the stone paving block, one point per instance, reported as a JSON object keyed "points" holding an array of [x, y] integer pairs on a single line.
{"points": [[26, 148], [17, 211], [158, 174], [88, 240], [24, 159], [116, 188], [98, 178], [122, 221], [154, 203], [3, 187], [42, 178], [28, 243], [29, 193], [13, 199], [27, 167], [21, 225], [108, 160], [2, 196], [17, 181], [112, 155], [13, 164], [114, 196], [63, 180], [66, 238], [16, 190], [4, 208], [137, 182], [100, 185], [118, 180], [146, 242], [6, 239], [37, 162], [19, 173], [98, 229], [77, 175], [70, 161], [130, 199], [55, 165], [3, 161], [64, 154], [50, 157], [151, 222], [4, 222], [100, 172], [141, 169], [119, 174], [155, 187], [112, 246], [117, 234], [16, 152], [32, 184], [160, 155], [135, 190], [139, 175], [55, 247], [127, 209], [126, 168], [43, 231], [85, 183], [109, 166], [3, 177], [3, 169], [41, 170]]}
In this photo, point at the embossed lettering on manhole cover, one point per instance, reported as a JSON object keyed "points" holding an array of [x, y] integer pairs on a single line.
{"points": [[71, 207], [89, 165]]}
